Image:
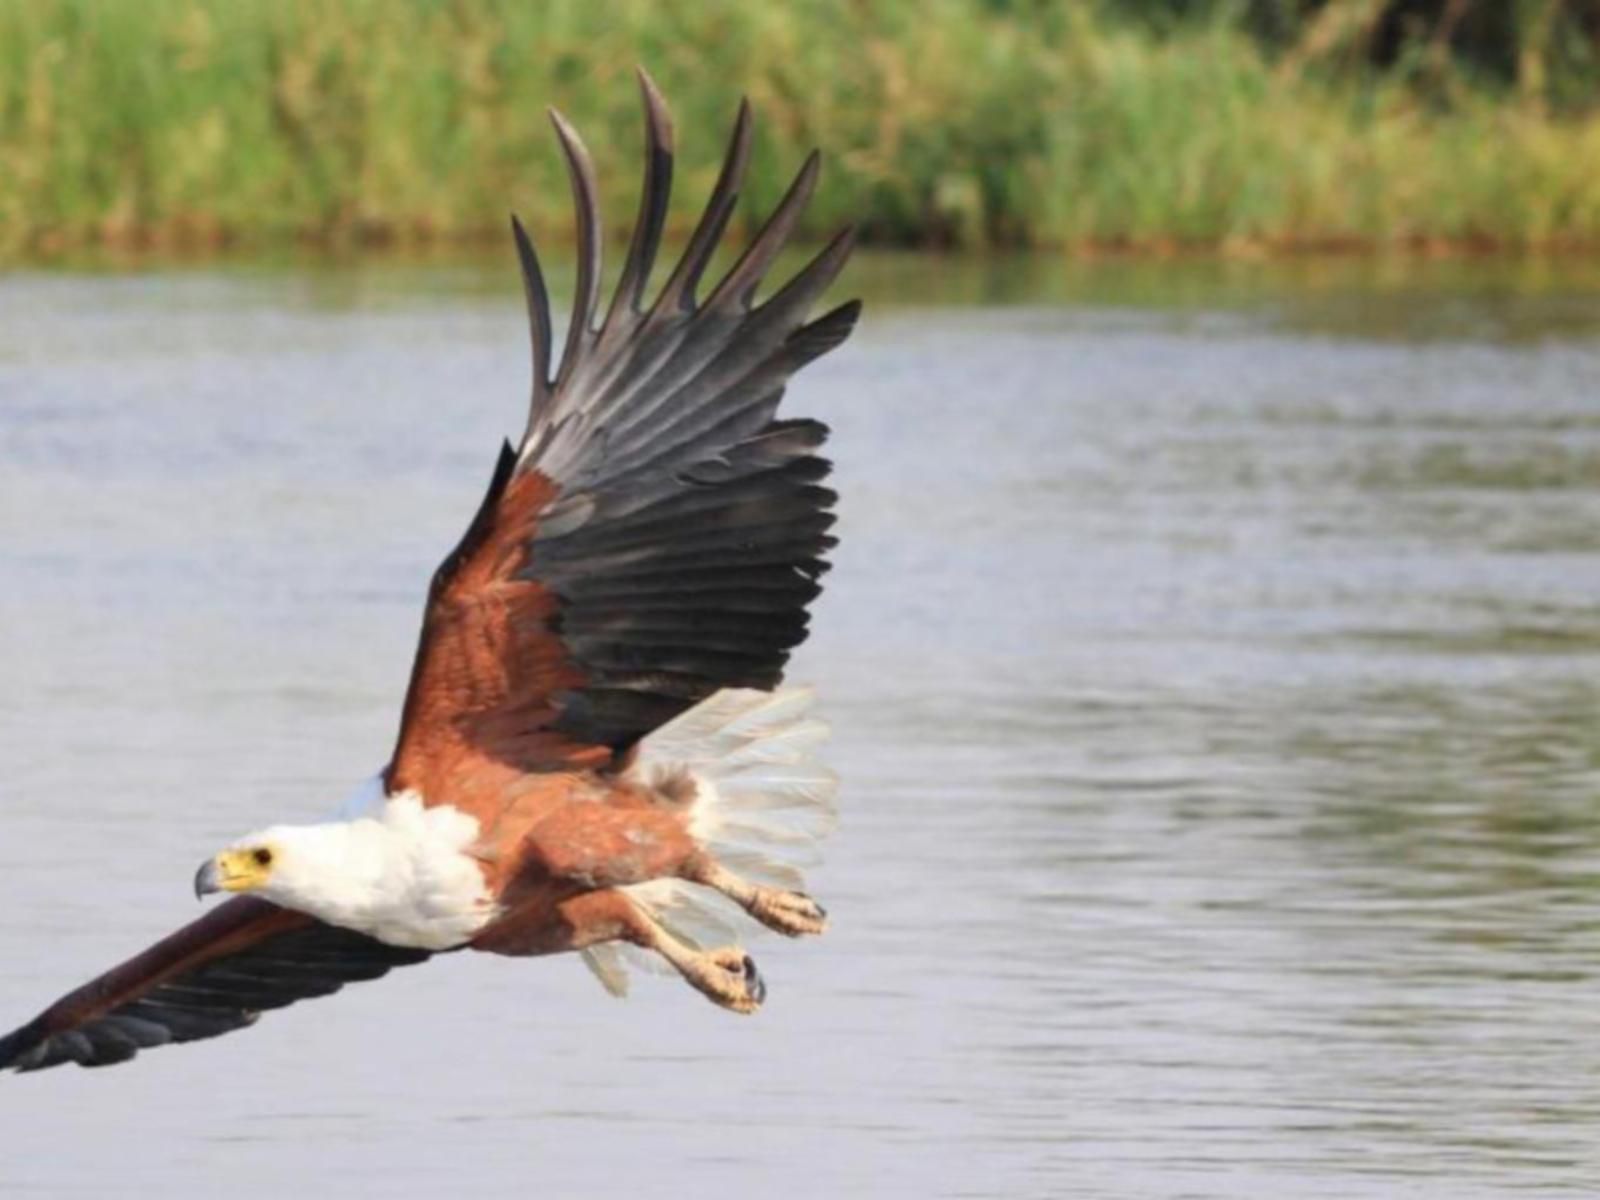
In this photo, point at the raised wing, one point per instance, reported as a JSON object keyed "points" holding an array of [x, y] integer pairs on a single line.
{"points": [[659, 533], [211, 977]]}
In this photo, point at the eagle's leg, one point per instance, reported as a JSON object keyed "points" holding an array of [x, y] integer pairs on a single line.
{"points": [[726, 976], [792, 914], [605, 846]]}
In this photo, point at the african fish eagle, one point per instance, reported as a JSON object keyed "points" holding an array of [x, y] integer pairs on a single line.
{"points": [[594, 748]]}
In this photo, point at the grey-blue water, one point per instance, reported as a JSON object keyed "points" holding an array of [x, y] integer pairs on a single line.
{"points": [[1214, 657]]}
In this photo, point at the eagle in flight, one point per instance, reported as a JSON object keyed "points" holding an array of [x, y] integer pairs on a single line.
{"points": [[595, 753]]}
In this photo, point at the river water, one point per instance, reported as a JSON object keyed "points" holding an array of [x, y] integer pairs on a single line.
{"points": [[1214, 658]]}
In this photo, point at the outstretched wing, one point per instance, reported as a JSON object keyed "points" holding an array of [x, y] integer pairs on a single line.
{"points": [[658, 533], [211, 977]]}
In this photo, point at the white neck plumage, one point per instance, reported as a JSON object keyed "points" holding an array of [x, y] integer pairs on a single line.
{"points": [[404, 874]]}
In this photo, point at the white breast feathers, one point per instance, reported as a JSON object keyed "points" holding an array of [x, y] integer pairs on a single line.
{"points": [[403, 874]]}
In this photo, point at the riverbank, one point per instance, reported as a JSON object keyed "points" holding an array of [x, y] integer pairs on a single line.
{"points": [[190, 125]]}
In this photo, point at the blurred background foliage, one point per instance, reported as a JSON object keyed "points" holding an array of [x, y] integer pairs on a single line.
{"points": [[1244, 125]]}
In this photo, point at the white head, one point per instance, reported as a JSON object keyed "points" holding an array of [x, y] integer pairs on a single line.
{"points": [[405, 876], [312, 868]]}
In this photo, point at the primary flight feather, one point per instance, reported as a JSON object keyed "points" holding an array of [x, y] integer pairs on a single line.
{"points": [[595, 752]]}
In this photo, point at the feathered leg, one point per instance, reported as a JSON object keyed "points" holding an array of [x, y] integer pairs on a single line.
{"points": [[726, 976], [793, 914]]}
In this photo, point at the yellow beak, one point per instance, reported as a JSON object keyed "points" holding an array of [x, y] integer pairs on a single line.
{"points": [[230, 871]]}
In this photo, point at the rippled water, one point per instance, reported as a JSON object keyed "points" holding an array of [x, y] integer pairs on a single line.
{"points": [[1214, 655]]}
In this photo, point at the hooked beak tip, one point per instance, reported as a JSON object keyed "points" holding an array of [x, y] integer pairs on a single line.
{"points": [[205, 879]]}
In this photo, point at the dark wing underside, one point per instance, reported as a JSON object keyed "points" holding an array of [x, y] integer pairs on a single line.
{"points": [[211, 977], [659, 532]]}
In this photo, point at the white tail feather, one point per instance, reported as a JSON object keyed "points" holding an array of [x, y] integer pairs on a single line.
{"points": [[762, 802]]}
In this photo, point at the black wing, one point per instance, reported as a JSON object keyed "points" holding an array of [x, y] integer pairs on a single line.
{"points": [[211, 977], [659, 532]]}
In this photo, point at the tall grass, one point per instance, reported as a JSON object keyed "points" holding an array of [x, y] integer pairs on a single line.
{"points": [[949, 121]]}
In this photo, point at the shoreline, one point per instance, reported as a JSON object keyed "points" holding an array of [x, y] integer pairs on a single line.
{"points": [[186, 242], [207, 126]]}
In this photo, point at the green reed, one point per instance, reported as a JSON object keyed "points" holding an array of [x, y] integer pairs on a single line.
{"points": [[951, 122]]}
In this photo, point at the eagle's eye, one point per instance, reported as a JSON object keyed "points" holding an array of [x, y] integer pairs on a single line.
{"points": [[263, 857]]}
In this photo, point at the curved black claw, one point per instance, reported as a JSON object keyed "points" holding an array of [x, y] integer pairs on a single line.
{"points": [[755, 986]]}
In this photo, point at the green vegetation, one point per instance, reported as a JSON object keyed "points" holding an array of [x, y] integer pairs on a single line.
{"points": [[1154, 125]]}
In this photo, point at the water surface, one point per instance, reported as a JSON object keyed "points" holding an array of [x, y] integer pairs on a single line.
{"points": [[1214, 657]]}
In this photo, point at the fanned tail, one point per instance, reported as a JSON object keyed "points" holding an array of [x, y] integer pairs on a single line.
{"points": [[763, 801]]}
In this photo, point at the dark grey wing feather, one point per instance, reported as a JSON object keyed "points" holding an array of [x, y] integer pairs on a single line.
{"points": [[585, 197], [679, 291], [689, 525], [538, 298], [629, 295]]}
